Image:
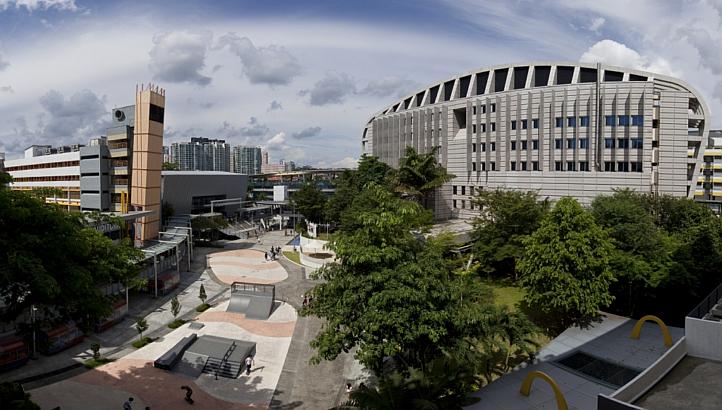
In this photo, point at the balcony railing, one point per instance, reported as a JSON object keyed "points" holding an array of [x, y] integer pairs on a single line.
{"points": [[707, 304]]}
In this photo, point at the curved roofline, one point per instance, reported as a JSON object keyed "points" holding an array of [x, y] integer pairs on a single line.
{"points": [[650, 76]]}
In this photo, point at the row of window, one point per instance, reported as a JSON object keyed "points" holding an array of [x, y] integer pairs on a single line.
{"points": [[48, 178], [624, 120], [60, 164], [582, 143], [609, 166]]}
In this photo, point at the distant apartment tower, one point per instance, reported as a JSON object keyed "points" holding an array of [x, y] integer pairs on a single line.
{"points": [[709, 187], [246, 160], [202, 154], [167, 157]]}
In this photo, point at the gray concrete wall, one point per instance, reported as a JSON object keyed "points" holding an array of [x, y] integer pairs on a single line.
{"points": [[179, 188], [704, 338], [95, 178]]}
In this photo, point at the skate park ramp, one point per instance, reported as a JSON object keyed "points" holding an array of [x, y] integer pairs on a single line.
{"points": [[217, 356], [252, 299]]}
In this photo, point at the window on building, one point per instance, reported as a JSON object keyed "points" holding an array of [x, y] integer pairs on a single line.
{"points": [[637, 143], [454, 189], [483, 127], [473, 110], [493, 146], [623, 143], [572, 144], [493, 126], [523, 145], [463, 190], [637, 120], [609, 166], [513, 124], [623, 120], [473, 128], [558, 122], [513, 145], [583, 143], [492, 107], [524, 124], [535, 123], [608, 143], [523, 165], [463, 204], [535, 165], [483, 109], [571, 122], [609, 121], [655, 123], [558, 143], [583, 166], [483, 166], [557, 165], [570, 166], [534, 144], [513, 165], [493, 166], [622, 167], [483, 146], [473, 166], [454, 201], [473, 147], [584, 121]]}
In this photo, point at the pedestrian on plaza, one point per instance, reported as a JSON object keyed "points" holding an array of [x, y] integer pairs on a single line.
{"points": [[305, 300], [265, 256], [348, 388], [294, 248], [189, 393], [249, 363], [128, 405]]}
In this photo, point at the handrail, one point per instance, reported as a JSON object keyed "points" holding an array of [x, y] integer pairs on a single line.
{"points": [[707, 303]]}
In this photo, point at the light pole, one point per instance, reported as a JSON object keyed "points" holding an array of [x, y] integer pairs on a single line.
{"points": [[33, 309]]}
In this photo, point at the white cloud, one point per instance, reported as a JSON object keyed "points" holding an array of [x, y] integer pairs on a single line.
{"points": [[390, 85], [32, 5], [275, 105], [596, 24], [277, 141], [271, 65], [331, 89], [613, 53], [179, 56], [707, 47], [306, 133]]}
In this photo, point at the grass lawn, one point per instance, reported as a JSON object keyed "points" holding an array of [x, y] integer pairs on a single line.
{"points": [[506, 293], [292, 256], [202, 307], [176, 323], [93, 363], [140, 343]]}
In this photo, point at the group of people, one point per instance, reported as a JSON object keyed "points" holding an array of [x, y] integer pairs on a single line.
{"points": [[273, 254], [307, 299]]}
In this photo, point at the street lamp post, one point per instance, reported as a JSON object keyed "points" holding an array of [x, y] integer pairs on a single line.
{"points": [[33, 309]]}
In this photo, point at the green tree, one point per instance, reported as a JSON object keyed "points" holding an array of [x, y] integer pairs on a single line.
{"points": [[141, 325], [202, 294], [565, 267], [175, 306], [506, 218], [13, 397], [419, 175], [310, 201], [170, 166], [95, 348]]}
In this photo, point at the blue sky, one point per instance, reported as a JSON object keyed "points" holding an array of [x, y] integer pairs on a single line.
{"points": [[300, 78]]}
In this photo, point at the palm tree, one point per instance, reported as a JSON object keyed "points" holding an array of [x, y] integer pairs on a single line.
{"points": [[420, 174]]}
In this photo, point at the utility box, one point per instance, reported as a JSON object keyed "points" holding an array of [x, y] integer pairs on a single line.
{"points": [[280, 193]]}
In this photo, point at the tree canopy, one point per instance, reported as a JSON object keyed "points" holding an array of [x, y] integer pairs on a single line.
{"points": [[420, 174], [310, 202], [565, 267]]}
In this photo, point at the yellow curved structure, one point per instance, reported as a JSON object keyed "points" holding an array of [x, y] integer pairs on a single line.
{"points": [[526, 387], [665, 331]]}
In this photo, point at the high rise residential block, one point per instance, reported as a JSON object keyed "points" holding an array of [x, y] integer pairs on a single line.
{"points": [[202, 154], [246, 160], [560, 128]]}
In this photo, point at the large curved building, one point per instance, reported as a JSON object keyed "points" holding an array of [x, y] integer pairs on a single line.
{"points": [[562, 128]]}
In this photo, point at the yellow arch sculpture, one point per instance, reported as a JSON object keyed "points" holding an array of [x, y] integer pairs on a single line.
{"points": [[665, 331], [529, 379]]}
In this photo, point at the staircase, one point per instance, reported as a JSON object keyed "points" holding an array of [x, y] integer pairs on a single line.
{"points": [[223, 367]]}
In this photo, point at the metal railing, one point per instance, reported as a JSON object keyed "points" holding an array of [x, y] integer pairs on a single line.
{"points": [[707, 303]]}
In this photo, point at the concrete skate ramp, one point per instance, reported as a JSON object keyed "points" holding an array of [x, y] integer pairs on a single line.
{"points": [[253, 300], [215, 355], [172, 356]]}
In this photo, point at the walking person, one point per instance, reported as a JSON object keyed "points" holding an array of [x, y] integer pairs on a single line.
{"points": [[128, 405], [249, 364]]}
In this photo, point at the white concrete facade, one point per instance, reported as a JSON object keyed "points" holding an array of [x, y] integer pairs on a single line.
{"points": [[561, 128]]}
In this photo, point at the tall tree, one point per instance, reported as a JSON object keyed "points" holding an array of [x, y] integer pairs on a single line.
{"points": [[565, 266], [506, 217], [310, 202], [419, 175]]}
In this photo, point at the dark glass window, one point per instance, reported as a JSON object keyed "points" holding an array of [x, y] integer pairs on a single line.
{"points": [[535, 123], [419, 98], [156, 113], [571, 121], [535, 165], [473, 128], [636, 167], [622, 167], [523, 145], [492, 106], [493, 126], [609, 166], [623, 120], [523, 165], [493, 166], [583, 166], [464, 86], [587, 75], [637, 143], [463, 190], [557, 165], [613, 75], [584, 121], [623, 143], [481, 80], [454, 188], [513, 125], [583, 143], [473, 166], [523, 124], [500, 79], [483, 146], [571, 144], [564, 74], [448, 88], [520, 74], [559, 122], [635, 77], [406, 103], [483, 127], [493, 146], [541, 75], [570, 166], [513, 145], [433, 92], [534, 144], [473, 147], [558, 144], [513, 165], [608, 143], [637, 120], [609, 121]]}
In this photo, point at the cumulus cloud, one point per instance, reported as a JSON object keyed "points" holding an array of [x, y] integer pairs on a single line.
{"points": [[275, 105], [278, 141], [392, 85], [331, 89], [179, 56], [306, 133], [32, 5], [253, 129], [596, 24], [272, 65], [614, 53], [707, 47]]}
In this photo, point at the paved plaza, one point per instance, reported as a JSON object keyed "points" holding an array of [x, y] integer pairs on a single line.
{"points": [[245, 265]]}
